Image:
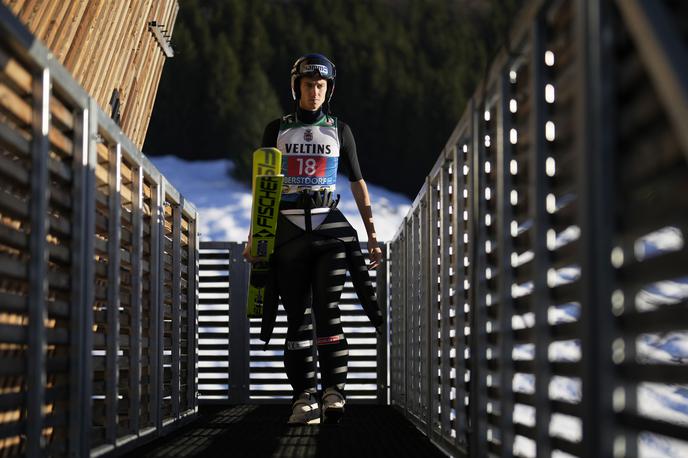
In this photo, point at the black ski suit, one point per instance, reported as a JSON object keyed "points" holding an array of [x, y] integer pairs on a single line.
{"points": [[308, 271]]}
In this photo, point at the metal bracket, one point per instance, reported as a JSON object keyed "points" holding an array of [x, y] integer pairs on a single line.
{"points": [[159, 35]]}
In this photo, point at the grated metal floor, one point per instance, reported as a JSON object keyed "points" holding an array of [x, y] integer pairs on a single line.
{"points": [[261, 431]]}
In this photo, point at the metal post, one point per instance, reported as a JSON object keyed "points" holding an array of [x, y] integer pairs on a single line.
{"points": [[156, 360], [432, 305], [478, 393], [504, 249], [411, 316], [77, 312], [402, 324], [445, 304], [113, 304], [136, 296], [411, 256], [595, 150], [192, 317], [239, 349], [460, 252], [86, 408], [426, 376], [538, 237], [176, 304], [409, 295], [383, 337], [36, 352]]}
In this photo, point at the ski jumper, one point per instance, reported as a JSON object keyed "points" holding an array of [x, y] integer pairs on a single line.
{"points": [[315, 245]]}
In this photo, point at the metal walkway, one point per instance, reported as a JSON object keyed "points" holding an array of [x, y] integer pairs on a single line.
{"points": [[261, 431]]}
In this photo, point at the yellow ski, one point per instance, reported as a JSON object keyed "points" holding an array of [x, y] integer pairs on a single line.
{"points": [[267, 191]]}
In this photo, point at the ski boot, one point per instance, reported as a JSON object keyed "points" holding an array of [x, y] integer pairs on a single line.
{"points": [[305, 410], [333, 406]]}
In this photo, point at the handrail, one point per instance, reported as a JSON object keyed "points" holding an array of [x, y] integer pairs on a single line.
{"points": [[501, 288], [98, 276]]}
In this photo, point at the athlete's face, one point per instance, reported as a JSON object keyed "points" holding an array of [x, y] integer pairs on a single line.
{"points": [[313, 90]]}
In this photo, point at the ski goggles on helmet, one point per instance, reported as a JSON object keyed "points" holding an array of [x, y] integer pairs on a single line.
{"points": [[313, 64]]}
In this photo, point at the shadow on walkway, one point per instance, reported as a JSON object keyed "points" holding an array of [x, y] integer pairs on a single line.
{"points": [[261, 431]]}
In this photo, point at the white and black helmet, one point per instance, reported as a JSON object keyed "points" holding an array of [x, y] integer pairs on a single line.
{"points": [[312, 64]]}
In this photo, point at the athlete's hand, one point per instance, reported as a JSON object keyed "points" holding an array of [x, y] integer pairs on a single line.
{"points": [[247, 252], [374, 254]]}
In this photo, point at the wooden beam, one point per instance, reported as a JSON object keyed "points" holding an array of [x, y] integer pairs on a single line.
{"points": [[45, 16], [119, 43], [77, 47], [28, 11], [15, 5], [55, 26], [94, 45], [131, 82], [141, 69], [94, 79], [123, 70], [67, 31]]}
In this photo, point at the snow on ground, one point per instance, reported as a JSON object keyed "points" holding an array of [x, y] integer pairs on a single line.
{"points": [[224, 204]]}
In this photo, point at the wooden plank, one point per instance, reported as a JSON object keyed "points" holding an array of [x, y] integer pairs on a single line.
{"points": [[15, 5], [126, 171], [14, 170], [101, 46], [90, 42], [94, 78], [93, 44], [14, 104], [64, 36], [173, 19], [60, 113], [45, 19], [60, 141], [28, 11], [13, 206], [57, 22], [59, 253], [103, 154], [142, 67], [125, 70], [102, 175], [13, 238], [61, 169], [16, 72], [83, 35], [39, 17], [141, 70], [104, 80]]}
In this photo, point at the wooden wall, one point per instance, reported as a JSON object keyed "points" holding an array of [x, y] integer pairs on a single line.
{"points": [[106, 45]]}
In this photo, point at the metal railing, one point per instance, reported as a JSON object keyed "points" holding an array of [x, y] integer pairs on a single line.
{"points": [[235, 367], [541, 275], [98, 271]]}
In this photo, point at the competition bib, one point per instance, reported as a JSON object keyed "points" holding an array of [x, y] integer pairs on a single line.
{"points": [[310, 154]]}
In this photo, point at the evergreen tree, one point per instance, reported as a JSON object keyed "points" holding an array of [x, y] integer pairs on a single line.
{"points": [[405, 70]]}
